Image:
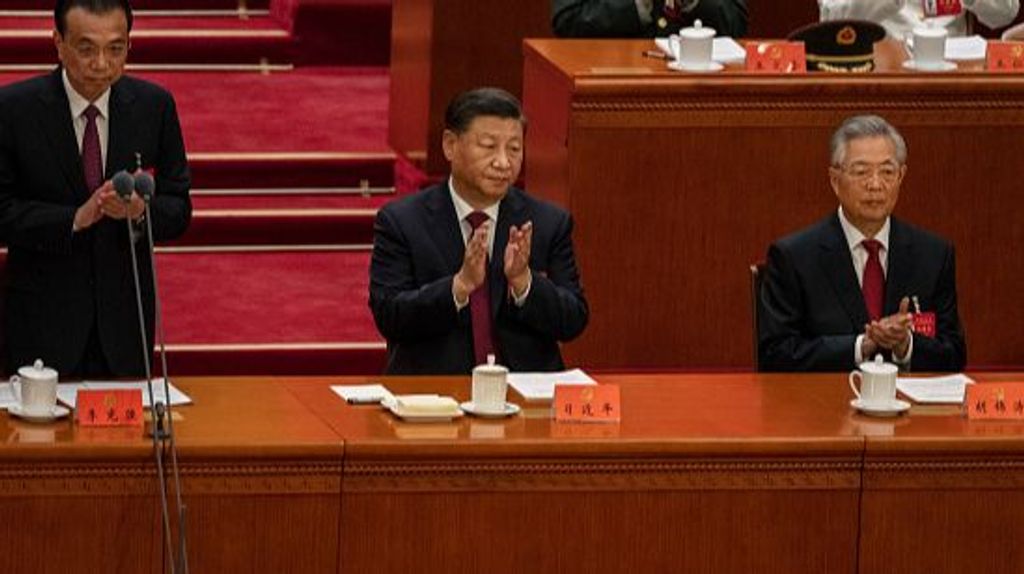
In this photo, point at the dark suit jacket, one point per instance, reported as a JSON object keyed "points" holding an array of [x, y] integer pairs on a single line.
{"points": [[418, 248], [812, 308], [619, 18], [60, 283]]}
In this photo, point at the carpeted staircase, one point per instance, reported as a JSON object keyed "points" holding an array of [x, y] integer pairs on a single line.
{"points": [[283, 105]]}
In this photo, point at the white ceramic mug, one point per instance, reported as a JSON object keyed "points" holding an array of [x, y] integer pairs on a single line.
{"points": [[692, 47], [929, 48], [35, 389], [490, 387], [877, 382]]}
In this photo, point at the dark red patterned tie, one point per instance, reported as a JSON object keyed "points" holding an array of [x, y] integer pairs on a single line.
{"points": [[92, 158], [480, 305], [873, 285]]}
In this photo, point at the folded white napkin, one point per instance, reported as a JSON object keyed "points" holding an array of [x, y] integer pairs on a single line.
{"points": [[426, 404]]}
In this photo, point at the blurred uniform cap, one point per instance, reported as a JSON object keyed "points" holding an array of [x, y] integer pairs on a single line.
{"points": [[839, 45]]}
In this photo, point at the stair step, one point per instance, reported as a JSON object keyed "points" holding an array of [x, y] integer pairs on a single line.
{"points": [[272, 312], [143, 5], [171, 39]]}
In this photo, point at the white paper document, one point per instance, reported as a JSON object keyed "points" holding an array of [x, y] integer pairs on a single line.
{"points": [[949, 389], [67, 393], [723, 49], [541, 386], [6, 396], [966, 48], [363, 394]]}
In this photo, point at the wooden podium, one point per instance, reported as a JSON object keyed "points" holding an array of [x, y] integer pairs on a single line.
{"points": [[440, 48], [678, 182]]}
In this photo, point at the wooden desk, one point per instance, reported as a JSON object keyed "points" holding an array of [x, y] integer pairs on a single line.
{"points": [[705, 473], [686, 483], [440, 48], [679, 181], [261, 478]]}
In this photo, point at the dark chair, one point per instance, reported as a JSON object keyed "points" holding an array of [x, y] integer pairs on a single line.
{"points": [[756, 277]]}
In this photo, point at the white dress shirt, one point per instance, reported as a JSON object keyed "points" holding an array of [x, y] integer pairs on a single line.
{"points": [[900, 17], [859, 254], [78, 105]]}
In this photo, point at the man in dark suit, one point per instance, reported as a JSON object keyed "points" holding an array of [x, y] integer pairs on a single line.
{"points": [[71, 296], [474, 266], [645, 18], [840, 291]]}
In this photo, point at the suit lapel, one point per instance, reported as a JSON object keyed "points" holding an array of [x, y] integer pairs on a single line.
{"points": [[60, 132], [121, 147], [837, 265], [900, 267], [444, 226]]}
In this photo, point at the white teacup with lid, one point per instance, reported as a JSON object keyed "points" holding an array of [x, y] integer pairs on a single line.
{"points": [[877, 382], [35, 389], [490, 387], [692, 48]]}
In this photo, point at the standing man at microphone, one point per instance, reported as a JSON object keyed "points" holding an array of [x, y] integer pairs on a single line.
{"points": [[63, 135]]}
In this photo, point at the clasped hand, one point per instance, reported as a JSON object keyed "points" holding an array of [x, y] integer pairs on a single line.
{"points": [[104, 202], [891, 333], [516, 260]]}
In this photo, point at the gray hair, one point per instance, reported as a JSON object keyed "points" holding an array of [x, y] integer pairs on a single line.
{"points": [[868, 126]]}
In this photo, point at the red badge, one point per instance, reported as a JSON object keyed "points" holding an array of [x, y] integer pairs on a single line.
{"points": [[924, 324], [932, 8], [776, 57]]}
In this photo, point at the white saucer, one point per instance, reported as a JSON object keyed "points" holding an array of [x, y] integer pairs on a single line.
{"points": [[423, 418], [709, 67], [57, 412], [944, 66], [509, 410], [889, 408]]}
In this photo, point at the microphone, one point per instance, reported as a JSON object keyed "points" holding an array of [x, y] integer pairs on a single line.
{"points": [[124, 184], [145, 186]]}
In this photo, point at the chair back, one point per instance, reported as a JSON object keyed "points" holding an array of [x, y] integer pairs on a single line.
{"points": [[756, 278]]}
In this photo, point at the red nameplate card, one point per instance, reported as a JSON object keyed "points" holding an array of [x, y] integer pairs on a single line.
{"points": [[995, 401], [924, 324], [776, 57], [934, 8], [1005, 56], [587, 404], [109, 408]]}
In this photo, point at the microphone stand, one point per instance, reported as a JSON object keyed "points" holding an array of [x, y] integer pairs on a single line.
{"points": [[147, 196], [158, 432]]}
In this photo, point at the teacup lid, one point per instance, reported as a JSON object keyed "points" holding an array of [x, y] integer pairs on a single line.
{"points": [[37, 371], [930, 31], [697, 31], [878, 366], [491, 368]]}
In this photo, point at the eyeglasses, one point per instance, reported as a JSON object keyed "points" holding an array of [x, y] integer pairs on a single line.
{"points": [[887, 172]]}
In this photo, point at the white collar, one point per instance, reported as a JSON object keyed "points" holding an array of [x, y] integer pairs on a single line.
{"points": [[463, 208], [79, 103], [854, 237]]}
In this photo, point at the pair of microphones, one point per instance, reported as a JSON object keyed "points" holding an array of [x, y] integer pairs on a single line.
{"points": [[141, 182]]}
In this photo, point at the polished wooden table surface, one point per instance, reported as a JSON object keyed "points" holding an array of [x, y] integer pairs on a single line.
{"points": [[252, 457], [705, 473], [678, 182]]}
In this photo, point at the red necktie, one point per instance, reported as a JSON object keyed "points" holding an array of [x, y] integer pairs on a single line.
{"points": [[92, 158], [480, 305], [873, 285]]}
